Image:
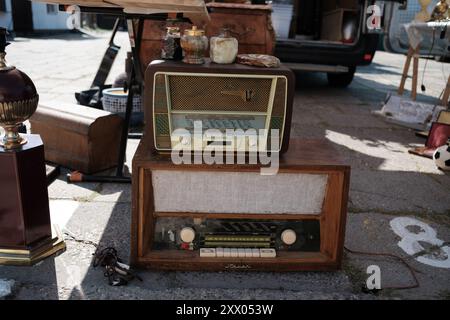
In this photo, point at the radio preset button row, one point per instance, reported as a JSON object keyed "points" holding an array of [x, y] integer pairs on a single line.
{"points": [[237, 253]]}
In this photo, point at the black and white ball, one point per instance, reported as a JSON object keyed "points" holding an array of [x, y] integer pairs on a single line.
{"points": [[442, 157]]}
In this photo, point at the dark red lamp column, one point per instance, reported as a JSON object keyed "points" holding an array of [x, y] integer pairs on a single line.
{"points": [[25, 228]]}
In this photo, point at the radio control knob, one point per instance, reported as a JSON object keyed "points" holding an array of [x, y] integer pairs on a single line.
{"points": [[185, 140], [288, 237], [187, 234]]}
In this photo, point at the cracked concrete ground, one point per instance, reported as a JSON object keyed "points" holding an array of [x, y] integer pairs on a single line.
{"points": [[386, 183]]}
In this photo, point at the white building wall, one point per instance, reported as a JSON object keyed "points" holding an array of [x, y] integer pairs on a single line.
{"points": [[45, 21], [6, 17]]}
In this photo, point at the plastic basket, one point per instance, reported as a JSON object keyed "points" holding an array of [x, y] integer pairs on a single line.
{"points": [[115, 101]]}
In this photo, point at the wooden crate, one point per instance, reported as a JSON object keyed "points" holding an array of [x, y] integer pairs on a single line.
{"points": [[78, 137]]}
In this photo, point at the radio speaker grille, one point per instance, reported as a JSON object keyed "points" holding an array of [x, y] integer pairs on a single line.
{"points": [[238, 192], [200, 93]]}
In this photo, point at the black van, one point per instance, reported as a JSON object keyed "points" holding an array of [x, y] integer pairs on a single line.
{"points": [[332, 36]]}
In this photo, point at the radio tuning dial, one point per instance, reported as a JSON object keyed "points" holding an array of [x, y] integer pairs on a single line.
{"points": [[288, 237], [187, 234]]}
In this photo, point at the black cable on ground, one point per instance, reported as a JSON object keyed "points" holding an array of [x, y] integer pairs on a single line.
{"points": [[117, 272]]}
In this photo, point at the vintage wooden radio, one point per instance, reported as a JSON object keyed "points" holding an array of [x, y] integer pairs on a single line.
{"points": [[230, 217], [220, 97]]}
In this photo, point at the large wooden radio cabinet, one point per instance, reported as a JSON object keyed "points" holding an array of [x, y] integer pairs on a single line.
{"points": [[230, 217]]}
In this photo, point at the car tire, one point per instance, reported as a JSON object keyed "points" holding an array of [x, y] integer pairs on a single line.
{"points": [[341, 80]]}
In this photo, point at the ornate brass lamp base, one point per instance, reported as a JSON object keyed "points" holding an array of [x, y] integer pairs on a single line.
{"points": [[42, 250], [15, 144]]}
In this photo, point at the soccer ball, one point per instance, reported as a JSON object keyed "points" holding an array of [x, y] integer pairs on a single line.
{"points": [[442, 157]]}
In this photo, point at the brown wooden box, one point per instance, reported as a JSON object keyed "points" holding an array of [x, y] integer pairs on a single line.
{"points": [[78, 137], [307, 157]]}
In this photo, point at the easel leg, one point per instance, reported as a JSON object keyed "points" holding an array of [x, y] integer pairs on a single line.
{"points": [[415, 76], [401, 88], [446, 94], [415, 73]]}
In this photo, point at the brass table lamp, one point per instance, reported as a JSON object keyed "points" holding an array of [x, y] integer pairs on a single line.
{"points": [[26, 234]]}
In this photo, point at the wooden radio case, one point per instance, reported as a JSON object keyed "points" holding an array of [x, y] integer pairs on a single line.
{"points": [[221, 97], [230, 217]]}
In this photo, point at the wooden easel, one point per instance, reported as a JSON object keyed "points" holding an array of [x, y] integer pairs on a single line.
{"points": [[414, 54]]}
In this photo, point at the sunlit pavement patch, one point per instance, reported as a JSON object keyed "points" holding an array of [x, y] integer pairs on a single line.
{"points": [[61, 211], [6, 288]]}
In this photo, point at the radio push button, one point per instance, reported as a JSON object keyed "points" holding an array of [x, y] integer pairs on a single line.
{"points": [[267, 253], [237, 253], [207, 252]]}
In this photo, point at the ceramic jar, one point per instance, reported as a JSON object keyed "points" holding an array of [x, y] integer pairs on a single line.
{"points": [[171, 47], [194, 44], [223, 48]]}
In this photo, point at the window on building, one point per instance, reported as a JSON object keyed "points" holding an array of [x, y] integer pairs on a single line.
{"points": [[52, 9], [2, 5]]}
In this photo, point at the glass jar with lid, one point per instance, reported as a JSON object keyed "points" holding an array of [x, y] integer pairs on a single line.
{"points": [[194, 44], [171, 46]]}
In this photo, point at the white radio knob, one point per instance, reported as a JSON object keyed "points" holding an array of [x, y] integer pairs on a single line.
{"points": [[288, 237], [187, 234], [185, 140]]}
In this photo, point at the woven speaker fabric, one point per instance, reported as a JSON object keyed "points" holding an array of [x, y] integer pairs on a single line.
{"points": [[238, 192]]}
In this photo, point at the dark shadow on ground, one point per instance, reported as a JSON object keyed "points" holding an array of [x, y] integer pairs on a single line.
{"points": [[37, 282]]}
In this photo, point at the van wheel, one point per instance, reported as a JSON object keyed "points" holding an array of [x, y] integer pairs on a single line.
{"points": [[341, 80]]}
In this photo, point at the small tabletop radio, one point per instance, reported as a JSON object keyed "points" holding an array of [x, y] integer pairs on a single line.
{"points": [[233, 107]]}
